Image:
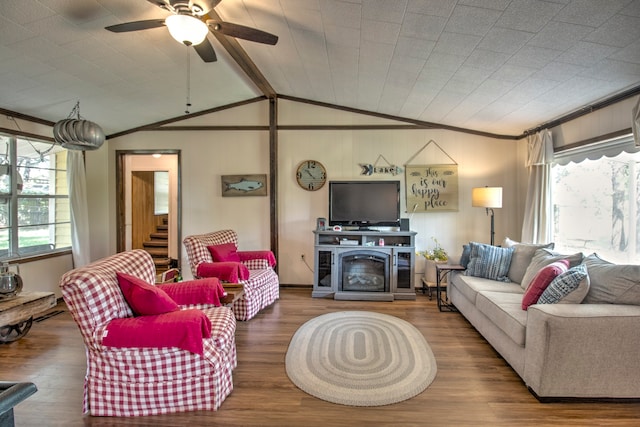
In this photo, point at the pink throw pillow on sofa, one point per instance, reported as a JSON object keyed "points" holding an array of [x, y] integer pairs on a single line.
{"points": [[541, 281], [226, 252], [143, 298]]}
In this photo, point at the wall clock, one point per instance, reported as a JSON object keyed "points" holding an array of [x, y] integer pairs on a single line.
{"points": [[311, 175]]}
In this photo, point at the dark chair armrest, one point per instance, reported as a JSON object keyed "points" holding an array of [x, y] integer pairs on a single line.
{"points": [[13, 393]]}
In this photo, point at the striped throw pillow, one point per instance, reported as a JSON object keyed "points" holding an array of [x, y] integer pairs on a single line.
{"points": [[489, 262], [569, 287]]}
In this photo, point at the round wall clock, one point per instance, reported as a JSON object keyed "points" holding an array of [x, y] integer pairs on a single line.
{"points": [[311, 175]]}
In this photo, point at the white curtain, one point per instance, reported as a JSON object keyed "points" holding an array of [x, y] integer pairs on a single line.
{"points": [[536, 227], [77, 184], [635, 123]]}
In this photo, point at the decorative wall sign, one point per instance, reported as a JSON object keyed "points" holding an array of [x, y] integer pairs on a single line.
{"points": [[431, 188], [370, 169], [244, 185]]}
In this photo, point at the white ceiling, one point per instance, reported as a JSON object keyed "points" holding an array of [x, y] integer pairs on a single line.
{"points": [[499, 66]]}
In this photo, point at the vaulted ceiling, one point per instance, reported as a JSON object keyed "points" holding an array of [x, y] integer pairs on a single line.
{"points": [[497, 66]]}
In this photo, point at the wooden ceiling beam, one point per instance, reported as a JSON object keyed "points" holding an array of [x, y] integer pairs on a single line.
{"points": [[241, 57]]}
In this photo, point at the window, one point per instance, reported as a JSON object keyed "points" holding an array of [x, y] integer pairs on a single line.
{"points": [[34, 201], [596, 201]]}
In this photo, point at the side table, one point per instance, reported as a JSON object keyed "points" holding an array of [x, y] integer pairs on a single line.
{"points": [[235, 291], [442, 270]]}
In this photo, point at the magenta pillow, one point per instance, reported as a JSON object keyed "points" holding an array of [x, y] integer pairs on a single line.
{"points": [[143, 298], [227, 252], [541, 281]]}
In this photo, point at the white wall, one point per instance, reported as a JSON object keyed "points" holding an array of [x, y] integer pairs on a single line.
{"points": [[600, 122], [481, 161], [206, 155]]}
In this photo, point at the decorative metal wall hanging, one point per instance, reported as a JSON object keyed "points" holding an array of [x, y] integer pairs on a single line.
{"points": [[77, 133], [370, 169]]}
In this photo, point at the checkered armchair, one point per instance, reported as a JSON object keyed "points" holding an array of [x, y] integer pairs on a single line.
{"points": [[254, 269], [137, 381]]}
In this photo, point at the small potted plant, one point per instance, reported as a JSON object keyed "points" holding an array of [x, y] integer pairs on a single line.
{"points": [[433, 256]]}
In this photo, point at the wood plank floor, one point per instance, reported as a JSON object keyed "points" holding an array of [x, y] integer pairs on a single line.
{"points": [[474, 386]]}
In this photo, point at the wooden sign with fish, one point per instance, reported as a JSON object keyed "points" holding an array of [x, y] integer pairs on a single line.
{"points": [[431, 188], [244, 185]]}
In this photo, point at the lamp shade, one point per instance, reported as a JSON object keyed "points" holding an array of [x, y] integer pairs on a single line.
{"points": [[187, 29], [486, 197]]}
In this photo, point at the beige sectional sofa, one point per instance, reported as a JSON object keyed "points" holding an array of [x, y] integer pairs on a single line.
{"points": [[565, 350]]}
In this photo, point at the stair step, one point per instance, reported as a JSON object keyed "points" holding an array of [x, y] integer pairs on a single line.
{"points": [[164, 227], [162, 236], [157, 252], [156, 243], [162, 262]]}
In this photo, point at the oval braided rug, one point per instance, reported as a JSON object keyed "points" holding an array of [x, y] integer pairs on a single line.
{"points": [[360, 358]]}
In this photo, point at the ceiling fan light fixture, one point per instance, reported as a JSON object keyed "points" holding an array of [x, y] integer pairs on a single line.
{"points": [[187, 29]]}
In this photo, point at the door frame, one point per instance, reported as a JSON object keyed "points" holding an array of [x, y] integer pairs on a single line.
{"points": [[121, 196]]}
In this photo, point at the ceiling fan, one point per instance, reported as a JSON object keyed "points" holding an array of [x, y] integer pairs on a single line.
{"points": [[190, 23]]}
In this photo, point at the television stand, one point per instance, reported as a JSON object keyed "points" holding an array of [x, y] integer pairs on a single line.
{"points": [[364, 265]]}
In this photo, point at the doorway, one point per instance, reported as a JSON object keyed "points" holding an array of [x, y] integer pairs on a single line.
{"points": [[148, 204]]}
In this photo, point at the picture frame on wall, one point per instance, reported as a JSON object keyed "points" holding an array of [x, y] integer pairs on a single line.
{"points": [[244, 185]]}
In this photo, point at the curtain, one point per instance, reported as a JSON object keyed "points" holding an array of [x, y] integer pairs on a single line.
{"points": [[635, 124], [77, 185], [536, 227]]}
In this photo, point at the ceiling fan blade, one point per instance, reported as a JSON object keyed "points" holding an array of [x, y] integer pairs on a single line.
{"points": [[205, 51], [136, 25], [242, 32]]}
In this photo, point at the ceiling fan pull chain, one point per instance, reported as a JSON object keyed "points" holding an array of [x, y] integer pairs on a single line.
{"points": [[188, 82]]}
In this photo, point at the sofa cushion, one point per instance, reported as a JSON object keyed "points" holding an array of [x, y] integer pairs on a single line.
{"points": [[570, 287], [522, 255], [143, 298], [225, 252], [612, 283], [544, 257], [505, 312], [470, 286], [490, 262], [542, 280]]}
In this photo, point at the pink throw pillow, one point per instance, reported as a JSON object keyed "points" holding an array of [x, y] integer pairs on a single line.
{"points": [[541, 281], [143, 298], [226, 252]]}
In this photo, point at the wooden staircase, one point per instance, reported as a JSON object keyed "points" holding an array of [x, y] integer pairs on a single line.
{"points": [[158, 247]]}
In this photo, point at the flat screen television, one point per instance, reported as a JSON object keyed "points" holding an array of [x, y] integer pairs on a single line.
{"points": [[364, 203]]}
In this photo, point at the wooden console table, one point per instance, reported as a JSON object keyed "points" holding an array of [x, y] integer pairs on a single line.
{"points": [[16, 314]]}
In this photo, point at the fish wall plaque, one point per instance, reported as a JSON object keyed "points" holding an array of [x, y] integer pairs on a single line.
{"points": [[244, 185]]}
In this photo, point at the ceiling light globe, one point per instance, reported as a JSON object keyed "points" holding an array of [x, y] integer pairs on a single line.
{"points": [[187, 29]]}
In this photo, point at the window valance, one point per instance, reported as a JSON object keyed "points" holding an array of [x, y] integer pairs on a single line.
{"points": [[609, 148]]}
